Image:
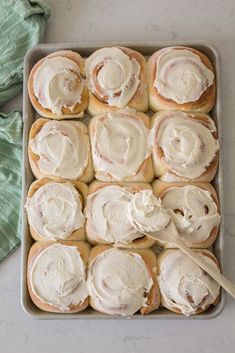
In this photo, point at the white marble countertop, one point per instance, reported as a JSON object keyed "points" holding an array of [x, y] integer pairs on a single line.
{"points": [[109, 20]]}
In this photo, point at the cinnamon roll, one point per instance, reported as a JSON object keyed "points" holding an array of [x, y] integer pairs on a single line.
{"points": [[56, 276], [181, 78], [60, 149], [57, 87], [121, 146], [122, 282], [185, 288], [194, 209], [55, 209], [106, 215], [185, 147], [116, 78]]}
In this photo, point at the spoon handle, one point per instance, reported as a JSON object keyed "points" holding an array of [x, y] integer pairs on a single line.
{"points": [[211, 270]]}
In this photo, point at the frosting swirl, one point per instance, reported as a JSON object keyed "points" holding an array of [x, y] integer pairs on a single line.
{"points": [[188, 145], [118, 282], [58, 84], [106, 213], [184, 285], [181, 76], [55, 211], [57, 276], [124, 157], [146, 213], [193, 211], [112, 76], [62, 148]]}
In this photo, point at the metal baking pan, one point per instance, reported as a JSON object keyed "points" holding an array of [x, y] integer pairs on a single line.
{"points": [[29, 116]]}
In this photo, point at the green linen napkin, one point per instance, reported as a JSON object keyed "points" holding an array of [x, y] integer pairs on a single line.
{"points": [[22, 25], [10, 181]]}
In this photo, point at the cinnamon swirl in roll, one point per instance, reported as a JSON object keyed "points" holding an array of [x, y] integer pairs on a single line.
{"points": [[55, 209], [56, 276], [194, 209], [57, 87], [60, 149], [121, 148], [116, 78], [106, 215], [122, 282], [185, 146], [181, 78], [185, 288]]}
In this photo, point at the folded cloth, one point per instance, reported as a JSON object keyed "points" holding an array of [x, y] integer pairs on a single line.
{"points": [[22, 25], [10, 181]]}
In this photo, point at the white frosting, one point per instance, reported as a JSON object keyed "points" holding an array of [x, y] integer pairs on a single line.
{"points": [[120, 144], [113, 76], [118, 282], [182, 76], [184, 285], [55, 211], [106, 213], [188, 146], [57, 276], [62, 148], [146, 213], [193, 211], [58, 83]]}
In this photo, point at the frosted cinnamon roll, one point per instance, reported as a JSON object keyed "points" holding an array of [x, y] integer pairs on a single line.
{"points": [[122, 282], [56, 276], [116, 78], [60, 149], [106, 215], [185, 147], [56, 86], [55, 210], [121, 146], [194, 209], [181, 78], [185, 288]]}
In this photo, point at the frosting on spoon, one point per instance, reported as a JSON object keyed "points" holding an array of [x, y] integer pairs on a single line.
{"points": [[146, 213]]}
